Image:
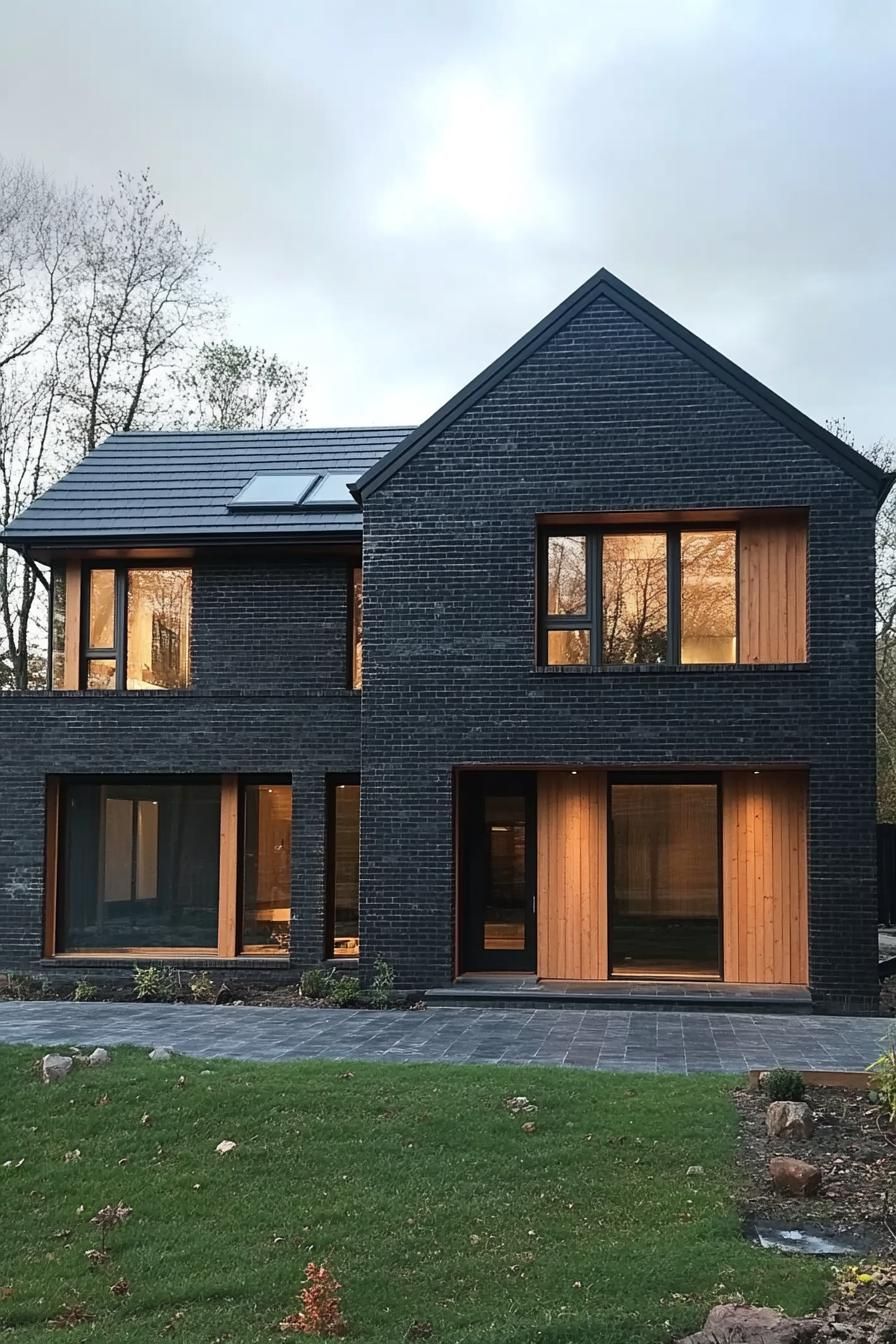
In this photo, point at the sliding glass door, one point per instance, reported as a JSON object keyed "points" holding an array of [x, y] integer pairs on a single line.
{"points": [[664, 878]]}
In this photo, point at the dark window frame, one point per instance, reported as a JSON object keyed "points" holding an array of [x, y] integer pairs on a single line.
{"points": [[333, 783], [118, 651], [245, 782], [592, 618]]}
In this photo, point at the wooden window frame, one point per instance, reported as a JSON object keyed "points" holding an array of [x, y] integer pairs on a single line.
{"points": [[592, 618], [117, 652], [230, 858], [354, 628], [333, 782]]}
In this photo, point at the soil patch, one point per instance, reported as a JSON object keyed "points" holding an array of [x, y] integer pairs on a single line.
{"points": [[857, 1157]]}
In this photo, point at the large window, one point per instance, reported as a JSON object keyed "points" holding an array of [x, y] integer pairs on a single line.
{"points": [[140, 865], [136, 628], [170, 864], [266, 867], [638, 595], [343, 867]]}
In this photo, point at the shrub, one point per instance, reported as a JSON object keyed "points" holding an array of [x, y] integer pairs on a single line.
{"points": [[321, 1312], [202, 988], [382, 986], [155, 982], [785, 1085], [342, 990], [84, 990], [21, 986], [883, 1074], [314, 983]]}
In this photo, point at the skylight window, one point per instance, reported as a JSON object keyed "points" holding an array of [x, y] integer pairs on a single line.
{"points": [[332, 491], [273, 490]]}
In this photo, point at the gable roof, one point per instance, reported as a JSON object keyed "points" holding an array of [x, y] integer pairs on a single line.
{"points": [[604, 283], [176, 487]]}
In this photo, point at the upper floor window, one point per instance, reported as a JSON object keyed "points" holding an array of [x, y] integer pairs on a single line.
{"points": [[135, 627], [356, 601], [639, 595]]}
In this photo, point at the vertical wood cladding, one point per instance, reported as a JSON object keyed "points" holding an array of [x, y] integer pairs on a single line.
{"points": [[572, 875], [764, 877], [772, 582]]}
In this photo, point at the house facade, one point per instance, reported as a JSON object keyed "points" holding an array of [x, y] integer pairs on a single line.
{"points": [[609, 714]]}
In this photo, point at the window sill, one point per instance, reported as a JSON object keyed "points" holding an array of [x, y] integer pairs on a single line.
{"points": [[665, 669], [204, 955]]}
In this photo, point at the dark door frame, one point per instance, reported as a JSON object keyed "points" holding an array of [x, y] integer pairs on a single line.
{"points": [[663, 777], [473, 787]]}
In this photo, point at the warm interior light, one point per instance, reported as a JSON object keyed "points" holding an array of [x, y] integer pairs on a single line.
{"points": [[573, 772], [755, 772]]}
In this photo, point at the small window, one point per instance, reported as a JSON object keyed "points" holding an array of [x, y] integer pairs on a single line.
{"points": [[344, 841], [638, 595], [271, 490], [137, 623], [357, 612], [57, 627]]}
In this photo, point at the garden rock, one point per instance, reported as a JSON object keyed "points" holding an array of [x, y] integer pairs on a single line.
{"points": [[55, 1067], [98, 1057], [160, 1053], [789, 1120], [733, 1323], [792, 1177]]}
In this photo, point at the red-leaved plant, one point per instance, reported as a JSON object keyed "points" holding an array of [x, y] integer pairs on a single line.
{"points": [[321, 1312]]}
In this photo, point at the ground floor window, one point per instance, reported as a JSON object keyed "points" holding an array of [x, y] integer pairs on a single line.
{"points": [[169, 864], [344, 840]]}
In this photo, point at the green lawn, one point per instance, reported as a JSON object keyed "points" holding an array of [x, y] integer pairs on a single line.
{"points": [[414, 1183]]}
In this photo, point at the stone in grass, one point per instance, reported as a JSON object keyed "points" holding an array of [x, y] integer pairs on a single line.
{"points": [[792, 1177], [734, 1323], [789, 1120], [98, 1057], [55, 1067], [160, 1053]]}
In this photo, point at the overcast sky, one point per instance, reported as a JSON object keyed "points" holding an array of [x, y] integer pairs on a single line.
{"points": [[398, 189]]}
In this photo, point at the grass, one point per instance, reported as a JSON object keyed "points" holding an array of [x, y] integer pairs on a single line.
{"points": [[414, 1183]]}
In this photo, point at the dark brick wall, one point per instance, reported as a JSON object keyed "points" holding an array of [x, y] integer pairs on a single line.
{"points": [[606, 417], [269, 696]]}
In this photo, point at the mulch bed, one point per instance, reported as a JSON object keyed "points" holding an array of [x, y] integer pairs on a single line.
{"points": [[850, 1145]]}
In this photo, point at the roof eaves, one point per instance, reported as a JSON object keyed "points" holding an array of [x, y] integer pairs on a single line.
{"points": [[844, 456]]}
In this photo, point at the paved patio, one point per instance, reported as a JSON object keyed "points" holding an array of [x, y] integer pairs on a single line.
{"points": [[639, 1041]]}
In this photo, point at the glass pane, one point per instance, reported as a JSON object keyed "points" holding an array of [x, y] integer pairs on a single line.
{"points": [[101, 622], [708, 597], [159, 610], [566, 577], [568, 646], [665, 868], [267, 867], [504, 923], [57, 631], [634, 597], [346, 861], [140, 867], [101, 674], [357, 619], [286, 488]]}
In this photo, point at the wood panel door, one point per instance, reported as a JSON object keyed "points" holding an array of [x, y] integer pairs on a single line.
{"points": [[572, 875]]}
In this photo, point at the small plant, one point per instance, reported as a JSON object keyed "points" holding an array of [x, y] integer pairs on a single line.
{"points": [[883, 1075], [382, 986], [84, 991], [315, 983], [785, 1085], [321, 1312], [343, 990], [154, 982], [202, 988], [18, 985], [111, 1215]]}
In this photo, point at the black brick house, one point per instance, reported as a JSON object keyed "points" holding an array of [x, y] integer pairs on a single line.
{"points": [[617, 716]]}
